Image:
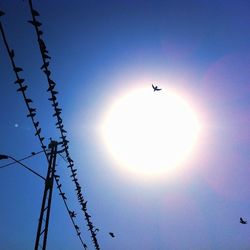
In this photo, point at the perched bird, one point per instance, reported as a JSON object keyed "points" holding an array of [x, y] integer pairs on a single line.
{"points": [[28, 100], [45, 56], [35, 23], [88, 216], [63, 196], [17, 69], [2, 13], [35, 12], [36, 124], [243, 221], [57, 177], [52, 82], [47, 72], [155, 88], [85, 246], [12, 53], [23, 88], [40, 32], [38, 131], [33, 153], [53, 98], [31, 115], [112, 234], [46, 64], [72, 214], [32, 110], [20, 80]]}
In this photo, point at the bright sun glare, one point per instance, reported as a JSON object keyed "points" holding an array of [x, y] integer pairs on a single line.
{"points": [[150, 132]]}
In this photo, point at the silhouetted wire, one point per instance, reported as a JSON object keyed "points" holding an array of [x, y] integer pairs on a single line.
{"points": [[45, 67], [27, 157], [32, 114], [28, 168], [63, 158], [22, 88]]}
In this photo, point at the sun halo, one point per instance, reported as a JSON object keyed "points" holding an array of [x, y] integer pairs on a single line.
{"points": [[150, 133]]}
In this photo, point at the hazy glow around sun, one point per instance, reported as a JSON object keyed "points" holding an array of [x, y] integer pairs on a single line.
{"points": [[150, 132]]}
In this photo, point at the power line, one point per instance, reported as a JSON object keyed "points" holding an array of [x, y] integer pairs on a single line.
{"points": [[20, 160], [32, 114], [59, 124]]}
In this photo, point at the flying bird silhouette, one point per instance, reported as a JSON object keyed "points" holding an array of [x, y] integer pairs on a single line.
{"points": [[155, 88], [112, 234], [243, 221]]}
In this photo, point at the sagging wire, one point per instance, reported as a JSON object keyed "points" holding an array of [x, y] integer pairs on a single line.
{"points": [[59, 124], [20, 160], [32, 114], [23, 88]]}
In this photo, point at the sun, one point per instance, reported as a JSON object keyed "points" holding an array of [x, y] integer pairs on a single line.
{"points": [[149, 132]]}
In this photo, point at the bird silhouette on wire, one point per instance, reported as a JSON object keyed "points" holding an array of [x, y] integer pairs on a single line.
{"points": [[72, 214]]}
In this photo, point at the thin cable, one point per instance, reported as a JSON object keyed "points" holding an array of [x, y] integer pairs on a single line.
{"points": [[27, 157], [22, 88], [32, 114], [45, 67]]}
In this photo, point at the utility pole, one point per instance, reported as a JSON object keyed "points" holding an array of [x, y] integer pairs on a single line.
{"points": [[43, 224]]}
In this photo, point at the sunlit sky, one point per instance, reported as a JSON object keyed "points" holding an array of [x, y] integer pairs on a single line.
{"points": [[101, 51]]}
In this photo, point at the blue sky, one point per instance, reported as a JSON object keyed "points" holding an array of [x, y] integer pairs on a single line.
{"points": [[98, 49]]}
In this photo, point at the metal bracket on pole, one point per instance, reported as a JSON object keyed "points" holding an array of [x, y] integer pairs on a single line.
{"points": [[43, 224]]}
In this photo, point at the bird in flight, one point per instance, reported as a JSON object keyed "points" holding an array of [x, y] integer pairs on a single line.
{"points": [[155, 88], [112, 234], [243, 221]]}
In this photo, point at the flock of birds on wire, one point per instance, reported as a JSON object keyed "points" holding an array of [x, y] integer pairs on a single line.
{"points": [[22, 88]]}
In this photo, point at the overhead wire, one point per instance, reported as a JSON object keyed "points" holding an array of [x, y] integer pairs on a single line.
{"points": [[20, 160], [59, 124], [32, 114]]}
